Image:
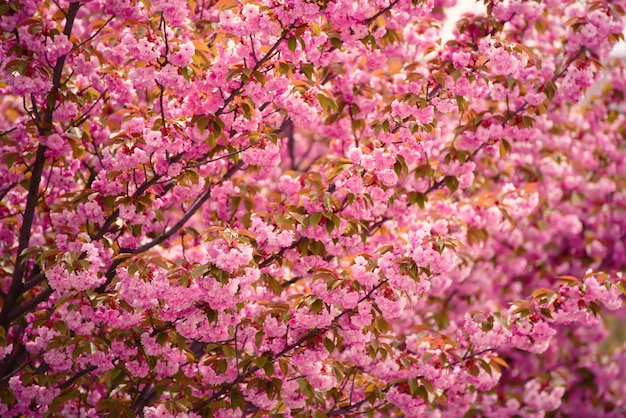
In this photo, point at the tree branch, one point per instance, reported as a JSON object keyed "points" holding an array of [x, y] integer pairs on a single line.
{"points": [[15, 288], [94, 35], [381, 12]]}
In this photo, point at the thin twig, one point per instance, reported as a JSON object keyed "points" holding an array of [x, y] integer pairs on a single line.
{"points": [[94, 35], [381, 12]]}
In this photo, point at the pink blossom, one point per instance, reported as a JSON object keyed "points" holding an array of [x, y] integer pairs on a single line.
{"points": [[610, 297], [227, 257], [182, 57], [292, 207], [541, 399], [264, 155]]}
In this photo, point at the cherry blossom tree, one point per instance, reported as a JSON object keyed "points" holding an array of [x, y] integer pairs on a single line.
{"points": [[290, 208]]}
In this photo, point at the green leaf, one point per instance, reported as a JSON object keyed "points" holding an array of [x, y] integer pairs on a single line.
{"points": [[63, 398], [10, 159], [61, 327], [330, 346], [474, 370], [485, 366], [383, 325], [550, 89], [323, 100], [315, 29], [473, 413], [505, 148], [307, 70], [228, 351], [247, 110], [246, 74], [487, 325], [260, 362], [132, 269], [284, 68], [292, 43], [452, 183], [528, 121], [161, 338], [269, 369], [336, 221], [315, 218], [461, 103], [422, 393], [202, 123], [305, 387], [109, 201], [418, 198], [317, 305], [274, 285], [198, 271], [236, 400], [284, 366], [115, 373], [335, 42], [218, 126], [329, 226], [260, 77], [621, 287]]}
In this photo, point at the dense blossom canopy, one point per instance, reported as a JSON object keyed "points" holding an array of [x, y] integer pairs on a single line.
{"points": [[295, 208]]}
